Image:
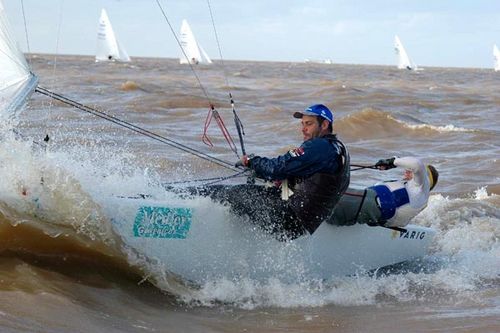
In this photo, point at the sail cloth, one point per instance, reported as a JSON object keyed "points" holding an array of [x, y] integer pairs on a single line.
{"points": [[404, 61], [496, 56], [108, 47], [193, 52], [17, 82]]}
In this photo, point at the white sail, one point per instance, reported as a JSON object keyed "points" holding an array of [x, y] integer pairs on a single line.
{"points": [[193, 53], [204, 56], [496, 56], [17, 82], [404, 61], [108, 47]]}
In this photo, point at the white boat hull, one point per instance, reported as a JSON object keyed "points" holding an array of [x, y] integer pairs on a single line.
{"points": [[205, 242]]}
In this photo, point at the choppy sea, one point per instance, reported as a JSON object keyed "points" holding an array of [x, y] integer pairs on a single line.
{"points": [[62, 270]]}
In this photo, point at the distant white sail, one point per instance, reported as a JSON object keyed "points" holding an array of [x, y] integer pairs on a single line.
{"points": [[108, 47], [193, 52], [17, 82], [404, 61], [313, 61], [496, 56]]}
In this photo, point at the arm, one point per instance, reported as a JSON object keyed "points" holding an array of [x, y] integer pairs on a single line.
{"points": [[311, 157], [413, 164]]}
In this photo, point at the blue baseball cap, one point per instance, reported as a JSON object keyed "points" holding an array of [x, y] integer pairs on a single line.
{"points": [[316, 110]]}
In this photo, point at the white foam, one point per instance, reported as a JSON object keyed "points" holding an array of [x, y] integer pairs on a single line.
{"points": [[466, 247], [445, 128], [465, 255]]}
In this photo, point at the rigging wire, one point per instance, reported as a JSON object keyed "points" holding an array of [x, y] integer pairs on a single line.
{"points": [[205, 92], [212, 180], [237, 121], [137, 129], [25, 27], [54, 68], [212, 111]]}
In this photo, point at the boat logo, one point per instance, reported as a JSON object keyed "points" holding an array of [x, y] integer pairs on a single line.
{"points": [[418, 235], [162, 222]]}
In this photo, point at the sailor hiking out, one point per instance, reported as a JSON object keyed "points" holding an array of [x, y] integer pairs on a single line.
{"points": [[309, 179], [392, 203]]}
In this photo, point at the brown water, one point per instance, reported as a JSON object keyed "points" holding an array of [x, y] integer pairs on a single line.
{"points": [[64, 270]]}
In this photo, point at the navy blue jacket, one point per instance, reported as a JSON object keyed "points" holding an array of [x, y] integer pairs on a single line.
{"points": [[318, 172], [313, 156]]}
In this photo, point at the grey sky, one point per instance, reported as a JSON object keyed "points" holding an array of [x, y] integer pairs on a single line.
{"points": [[450, 33]]}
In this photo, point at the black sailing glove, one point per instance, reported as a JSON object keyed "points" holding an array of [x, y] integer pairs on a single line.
{"points": [[244, 161], [385, 164]]}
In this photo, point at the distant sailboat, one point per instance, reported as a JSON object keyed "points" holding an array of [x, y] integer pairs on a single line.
{"points": [[326, 61], [496, 56], [17, 82], [193, 52], [108, 47], [404, 61]]}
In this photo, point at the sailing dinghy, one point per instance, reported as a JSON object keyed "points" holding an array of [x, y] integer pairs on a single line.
{"points": [[201, 240], [17, 82], [496, 57], [108, 47], [404, 61], [192, 52]]}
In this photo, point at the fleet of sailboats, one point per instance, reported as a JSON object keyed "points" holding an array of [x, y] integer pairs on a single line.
{"points": [[192, 52], [108, 47]]}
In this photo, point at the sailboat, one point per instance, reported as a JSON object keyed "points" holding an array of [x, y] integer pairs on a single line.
{"points": [[174, 230], [108, 47], [404, 61], [192, 53], [496, 56], [17, 82]]}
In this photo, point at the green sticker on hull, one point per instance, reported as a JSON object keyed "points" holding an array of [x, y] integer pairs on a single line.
{"points": [[162, 222]]}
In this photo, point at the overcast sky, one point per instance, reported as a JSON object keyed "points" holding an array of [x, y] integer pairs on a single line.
{"points": [[450, 33]]}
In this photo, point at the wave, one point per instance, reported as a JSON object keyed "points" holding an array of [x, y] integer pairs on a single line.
{"points": [[372, 123], [130, 86], [463, 261], [53, 204], [179, 102]]}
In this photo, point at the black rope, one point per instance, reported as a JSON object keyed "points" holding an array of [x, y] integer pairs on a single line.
{"points": [[209, 181], [360, 205], [137, 129], [360, 167]]}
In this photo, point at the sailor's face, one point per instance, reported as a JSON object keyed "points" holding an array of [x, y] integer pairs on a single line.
{"points": [[408, 175], [310, 127]]}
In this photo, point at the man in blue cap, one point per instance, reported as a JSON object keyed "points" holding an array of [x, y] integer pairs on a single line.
{"points": [[313, 176]]}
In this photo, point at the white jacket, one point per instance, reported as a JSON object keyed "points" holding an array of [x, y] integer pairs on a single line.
{"points": [[417, 190]]}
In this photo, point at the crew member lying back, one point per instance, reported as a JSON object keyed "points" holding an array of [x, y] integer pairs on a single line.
{"points": [[392, 203]]}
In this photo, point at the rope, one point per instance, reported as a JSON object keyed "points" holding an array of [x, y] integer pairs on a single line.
{"points": [[54, 68], [218, 46], [25, 27], [184, 53], [212, 113], [137, 129], [211, 180], [359, 167], [237, 121]]}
